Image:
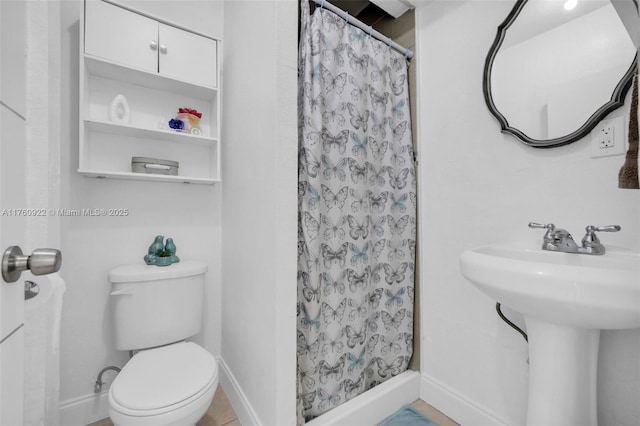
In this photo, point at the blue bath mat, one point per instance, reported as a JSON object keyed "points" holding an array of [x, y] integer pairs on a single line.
{"points": [[407, 416]]}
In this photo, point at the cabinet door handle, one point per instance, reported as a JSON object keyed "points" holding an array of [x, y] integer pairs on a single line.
{"points": [[153, 44], [163, 49]]}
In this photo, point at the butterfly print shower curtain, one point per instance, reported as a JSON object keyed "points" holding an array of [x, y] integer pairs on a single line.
{"points": [[357, 214]]}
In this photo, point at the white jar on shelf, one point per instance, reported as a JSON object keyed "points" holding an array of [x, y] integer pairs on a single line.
{"points": [[119, 110]]}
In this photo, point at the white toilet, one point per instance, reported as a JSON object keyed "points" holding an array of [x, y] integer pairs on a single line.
{"points": [[169, 381]]}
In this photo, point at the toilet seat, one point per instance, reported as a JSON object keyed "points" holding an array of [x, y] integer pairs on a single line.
{"points": [[162, 380]]}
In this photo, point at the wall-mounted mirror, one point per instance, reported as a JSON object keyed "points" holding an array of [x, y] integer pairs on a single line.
{"points": [[554, 71]]}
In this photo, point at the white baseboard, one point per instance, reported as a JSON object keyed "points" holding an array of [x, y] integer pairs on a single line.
{"points": [[85, 409], [236, 397], [366, 409], [375, 404], [456, 407]]}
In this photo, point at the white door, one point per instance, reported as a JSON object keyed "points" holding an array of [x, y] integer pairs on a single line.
{"points": [[187, 56], [121, 36], [12, 198]]}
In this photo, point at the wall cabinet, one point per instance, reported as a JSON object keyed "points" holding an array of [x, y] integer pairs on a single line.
{"points": [[158, 68]]}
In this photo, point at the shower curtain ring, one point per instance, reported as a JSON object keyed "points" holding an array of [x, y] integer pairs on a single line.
{"points": [[322, 4], [370, 30], [389, 41], [346, 16], [406, 52]]}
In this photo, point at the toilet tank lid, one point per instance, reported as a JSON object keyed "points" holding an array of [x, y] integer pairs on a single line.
{"points": [[142, 272]]}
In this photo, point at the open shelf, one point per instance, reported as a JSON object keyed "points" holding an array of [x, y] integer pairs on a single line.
{"points": [[120, 129], [147, 177], [113, 71]]}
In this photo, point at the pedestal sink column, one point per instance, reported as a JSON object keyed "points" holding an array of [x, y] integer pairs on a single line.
{"points": [[563, 365]]}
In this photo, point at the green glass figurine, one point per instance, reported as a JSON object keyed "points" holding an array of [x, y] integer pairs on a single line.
{"points": [[160, 254]]}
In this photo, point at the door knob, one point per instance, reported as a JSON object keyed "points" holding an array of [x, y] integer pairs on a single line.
{"points": [[41, 262]]}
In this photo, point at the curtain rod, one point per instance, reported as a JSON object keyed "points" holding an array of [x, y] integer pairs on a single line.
{"points": [[366, 28]]}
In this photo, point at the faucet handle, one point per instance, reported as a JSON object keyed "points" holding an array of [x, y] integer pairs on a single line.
{"points": [[591, 243], [591, 237], [549, 226], [548, 239], [607, 228]]}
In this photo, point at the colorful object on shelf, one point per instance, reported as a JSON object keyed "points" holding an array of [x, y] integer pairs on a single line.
{"points": [[191, 119], [160, 254], [176, 124], [190, 111]]}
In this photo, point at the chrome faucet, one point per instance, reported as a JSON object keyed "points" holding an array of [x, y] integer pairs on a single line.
{"points": [[561, 240]]}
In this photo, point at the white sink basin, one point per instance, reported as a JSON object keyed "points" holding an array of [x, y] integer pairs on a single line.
{"points": [[586, 291], [566, 300]]}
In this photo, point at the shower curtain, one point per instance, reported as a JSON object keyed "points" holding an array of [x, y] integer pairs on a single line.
{"points": [[357, 213]]}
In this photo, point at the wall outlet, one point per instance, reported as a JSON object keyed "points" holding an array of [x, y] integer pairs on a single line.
{"points": [[608, 138]]}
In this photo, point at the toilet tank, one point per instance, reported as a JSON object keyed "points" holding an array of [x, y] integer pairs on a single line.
{"points": [[156, 305]]}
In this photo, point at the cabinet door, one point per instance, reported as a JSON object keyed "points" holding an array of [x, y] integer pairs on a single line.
{"points": [[121, 36], [187, 56]]}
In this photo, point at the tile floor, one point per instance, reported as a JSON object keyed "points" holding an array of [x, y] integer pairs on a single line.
{"points": [[221, 413], [433, 414]]}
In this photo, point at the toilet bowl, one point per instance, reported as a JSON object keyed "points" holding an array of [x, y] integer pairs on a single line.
{"points": [[170, 385]]}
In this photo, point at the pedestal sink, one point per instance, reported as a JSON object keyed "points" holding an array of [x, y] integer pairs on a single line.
{"points": [[566, 300]]}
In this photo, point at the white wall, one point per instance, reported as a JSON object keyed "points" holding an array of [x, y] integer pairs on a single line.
{"points": [[480, 186], [190, 214], [259, 205]]}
